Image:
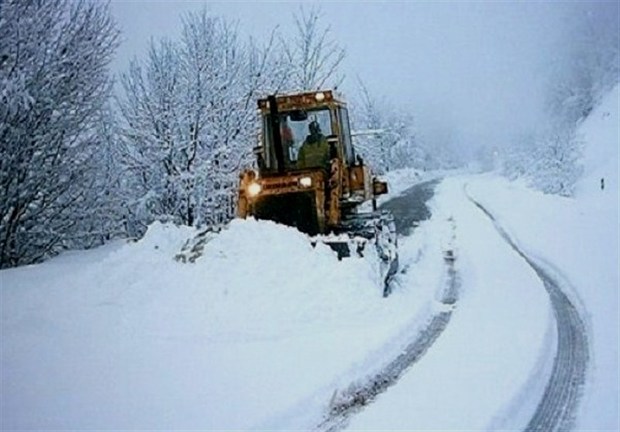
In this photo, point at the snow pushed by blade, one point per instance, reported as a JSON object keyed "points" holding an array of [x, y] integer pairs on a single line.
{"points": [[259, 325], [271, 277]]}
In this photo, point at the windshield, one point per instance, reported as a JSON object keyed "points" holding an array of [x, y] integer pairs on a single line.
{"points": [[294, 129]]}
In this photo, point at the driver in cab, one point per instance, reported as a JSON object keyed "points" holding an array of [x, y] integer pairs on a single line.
{"points": [[314, 152]]}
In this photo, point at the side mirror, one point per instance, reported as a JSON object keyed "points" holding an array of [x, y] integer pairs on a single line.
{"points": [[379, 187]]}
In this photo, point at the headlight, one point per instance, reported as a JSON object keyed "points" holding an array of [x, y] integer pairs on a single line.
{"points": [[320, 97], [305, 181], [254, 189]]}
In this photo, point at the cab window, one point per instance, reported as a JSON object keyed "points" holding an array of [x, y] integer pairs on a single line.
{"points": [[294, 129]]}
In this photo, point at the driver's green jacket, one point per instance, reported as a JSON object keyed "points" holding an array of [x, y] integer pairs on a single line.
{"points": [[314, 153]]}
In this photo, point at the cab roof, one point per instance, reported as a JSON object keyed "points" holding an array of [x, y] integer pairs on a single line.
{"points": [[306, 100]]}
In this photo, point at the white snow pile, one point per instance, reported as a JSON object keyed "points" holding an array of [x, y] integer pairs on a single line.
{"points": [[260, 325], [271, 278]]}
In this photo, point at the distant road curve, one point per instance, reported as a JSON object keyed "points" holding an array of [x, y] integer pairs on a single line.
{"points": [[557, 408]]}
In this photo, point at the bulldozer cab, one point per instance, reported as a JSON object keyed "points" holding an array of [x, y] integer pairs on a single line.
{"points": [[292, 122]]}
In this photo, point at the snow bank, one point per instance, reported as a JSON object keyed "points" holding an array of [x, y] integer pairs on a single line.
{"points": [[125, 337], [271, 277]]}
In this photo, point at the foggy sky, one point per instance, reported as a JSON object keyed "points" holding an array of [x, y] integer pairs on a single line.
{"points": [[471, 72]]}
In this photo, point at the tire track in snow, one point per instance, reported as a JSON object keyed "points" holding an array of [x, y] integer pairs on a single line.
{"points": [[557, 409], [409, 209], [343, 406]]}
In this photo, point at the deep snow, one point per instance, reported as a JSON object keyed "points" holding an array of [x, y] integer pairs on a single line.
{"points": [[263, 330], [126, 337]]}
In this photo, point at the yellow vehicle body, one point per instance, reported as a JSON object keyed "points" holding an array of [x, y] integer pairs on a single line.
{"points": [[316, 200]]}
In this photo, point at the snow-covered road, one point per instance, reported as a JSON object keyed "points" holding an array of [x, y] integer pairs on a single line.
{"points": [[488, 368], [557, 409], [410, 209]]}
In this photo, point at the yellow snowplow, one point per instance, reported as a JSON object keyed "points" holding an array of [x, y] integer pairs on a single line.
{"points": [[310, 177]]}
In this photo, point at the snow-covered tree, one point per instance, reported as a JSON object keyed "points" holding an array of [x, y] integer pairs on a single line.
{"points": [[111, 216], [550, 159], [190, 120], [587, 65], [387, 137], [556, 161], [54, 82], [517, 159], [313, 56]]}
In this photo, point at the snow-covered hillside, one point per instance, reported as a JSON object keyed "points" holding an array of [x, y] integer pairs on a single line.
{"points": [[264, 331], [600, 133]]}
